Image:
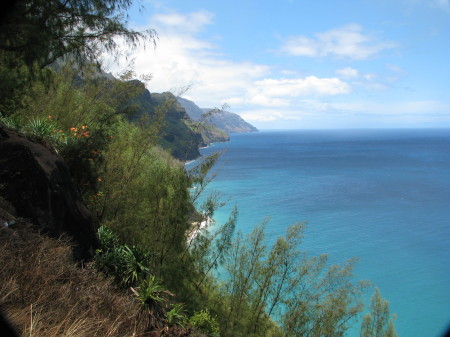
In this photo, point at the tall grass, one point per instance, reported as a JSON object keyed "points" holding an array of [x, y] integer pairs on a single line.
{"points": [[44, 293]]}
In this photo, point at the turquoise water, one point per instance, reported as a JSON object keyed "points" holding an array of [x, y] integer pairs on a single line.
{"points": [[380, 195]]}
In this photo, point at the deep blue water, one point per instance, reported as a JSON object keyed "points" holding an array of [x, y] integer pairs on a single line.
{"points": [[380, 195]]}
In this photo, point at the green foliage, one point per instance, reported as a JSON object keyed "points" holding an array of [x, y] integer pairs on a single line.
{"points": [[203, 321], [39, 129], [145, 196], [176, 136], [108, 240], [379, 322], [45, 30], [36, 33], [77, 116], [153, 301], [200, 178], [279, 282], [14, 121], [149, 293], [128, 265], [176, 315]]}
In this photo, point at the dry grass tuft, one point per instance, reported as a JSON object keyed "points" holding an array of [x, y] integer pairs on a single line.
{"points": [[44, 293]]}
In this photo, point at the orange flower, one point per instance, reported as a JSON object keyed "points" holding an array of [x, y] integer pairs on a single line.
{"points": [[99, 179]]}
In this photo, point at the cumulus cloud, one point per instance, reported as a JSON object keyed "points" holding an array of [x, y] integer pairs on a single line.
{"points": [[348, 41], [286, 93], [184, 58]]}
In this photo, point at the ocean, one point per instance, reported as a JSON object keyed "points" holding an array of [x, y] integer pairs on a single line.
{"points": [[380, 195]]}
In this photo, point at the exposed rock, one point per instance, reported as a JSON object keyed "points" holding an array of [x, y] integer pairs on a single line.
{"points": [[37, 185]]}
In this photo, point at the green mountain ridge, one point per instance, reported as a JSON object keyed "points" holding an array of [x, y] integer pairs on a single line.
{"points": [[224, 120], [230, 121], [177, 135]]}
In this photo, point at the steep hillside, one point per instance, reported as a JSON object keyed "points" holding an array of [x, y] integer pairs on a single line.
{"points": [[209, 132], [192, 109], [224, 120], [230, 122], [177, 136]]}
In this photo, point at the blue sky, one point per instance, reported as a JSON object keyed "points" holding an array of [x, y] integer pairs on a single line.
{"points": [[303, 63]]}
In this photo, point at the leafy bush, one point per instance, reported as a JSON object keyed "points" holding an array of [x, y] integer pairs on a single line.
{"points": [[176, 316], [128, 265], [149, 293], [153, 302], [13, 121], [203, 321], [39, 129], [107, 238]]}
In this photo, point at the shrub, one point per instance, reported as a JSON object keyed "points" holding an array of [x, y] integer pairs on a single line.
{"points": [[176, 316], [153, 301], [203, 321], [128, 265]]}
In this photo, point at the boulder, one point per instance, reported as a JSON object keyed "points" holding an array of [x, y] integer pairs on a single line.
{"points": [[35, 181]]}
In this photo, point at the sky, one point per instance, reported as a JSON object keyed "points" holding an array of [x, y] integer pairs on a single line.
{"points": [[301, 64]]}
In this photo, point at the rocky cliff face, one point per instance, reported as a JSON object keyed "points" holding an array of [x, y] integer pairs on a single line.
{"points": [[36, 184]]}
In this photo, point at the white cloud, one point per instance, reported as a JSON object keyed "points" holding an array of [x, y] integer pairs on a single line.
{"points": [[285, 93], [315, 113], [182, 59], [345, 42], [368, 81], [189, 23], [425, 107], [307, 86], [348, 73], [184, 56], [266, 115]]}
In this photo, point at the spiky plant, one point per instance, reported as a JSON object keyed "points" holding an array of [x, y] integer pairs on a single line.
{"points": [[153, 302], [176, 315]]}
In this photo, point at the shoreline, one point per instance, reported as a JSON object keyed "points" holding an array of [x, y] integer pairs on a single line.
{"points": [[202, 148], [198, 227]]}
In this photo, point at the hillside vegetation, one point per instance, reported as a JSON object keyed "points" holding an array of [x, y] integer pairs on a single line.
{"points": [[154, 267]]}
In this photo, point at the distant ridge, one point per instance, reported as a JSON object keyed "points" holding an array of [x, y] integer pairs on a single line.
{"points": [[230, 122], [224, 120]]}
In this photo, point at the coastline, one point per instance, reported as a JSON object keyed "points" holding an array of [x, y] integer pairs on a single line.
{"points": [[197, 227], [188, 162]]}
